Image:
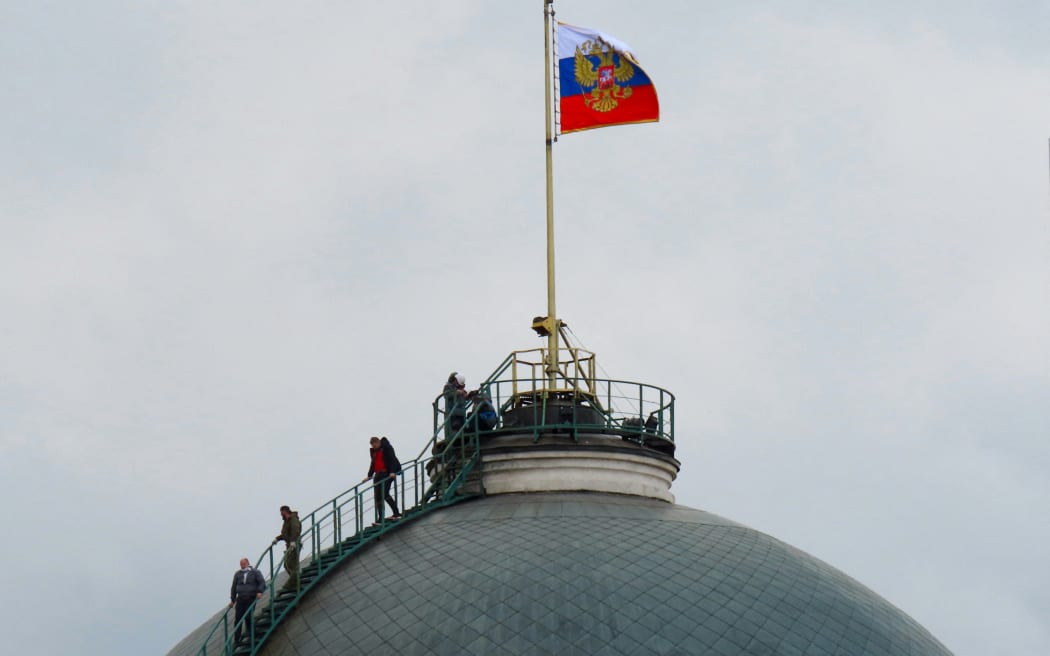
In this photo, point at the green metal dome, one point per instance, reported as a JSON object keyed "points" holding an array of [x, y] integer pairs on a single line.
{"points": [[555, 533], [588, 573]]}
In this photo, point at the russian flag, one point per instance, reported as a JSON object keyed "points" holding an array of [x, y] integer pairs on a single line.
{"points": [[601, 83]]}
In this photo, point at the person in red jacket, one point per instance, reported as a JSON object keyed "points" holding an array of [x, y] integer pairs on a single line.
{"points": [[382, 470]]}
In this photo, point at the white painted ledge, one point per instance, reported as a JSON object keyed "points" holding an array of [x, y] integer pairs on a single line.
{"points": [[597, 463]]}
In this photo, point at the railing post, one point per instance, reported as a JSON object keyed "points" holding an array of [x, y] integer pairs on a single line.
{"points": [[225, 633], [337, 529], [419, 473], [270, 588], [399, 482], [514, 377], [335, 519], [671, 406], [663, 410], [357, 512]]}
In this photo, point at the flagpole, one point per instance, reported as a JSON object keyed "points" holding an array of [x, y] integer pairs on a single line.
{"points": [[552, 320]]}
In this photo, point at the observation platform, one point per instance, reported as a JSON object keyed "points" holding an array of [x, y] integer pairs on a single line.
{"points": [[584, 433]]}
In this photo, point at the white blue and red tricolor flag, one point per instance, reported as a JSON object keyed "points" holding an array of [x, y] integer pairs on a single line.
{"points": [[601, 82]]}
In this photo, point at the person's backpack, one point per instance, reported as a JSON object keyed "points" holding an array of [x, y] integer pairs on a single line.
{"points": [[393, 465], [487, 418]]}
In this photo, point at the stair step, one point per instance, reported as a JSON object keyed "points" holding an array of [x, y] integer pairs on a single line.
{"points": [[276, 611]]}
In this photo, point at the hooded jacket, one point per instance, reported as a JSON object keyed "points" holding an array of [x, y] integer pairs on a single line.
{"points": [[390, 461], [291, 529]]}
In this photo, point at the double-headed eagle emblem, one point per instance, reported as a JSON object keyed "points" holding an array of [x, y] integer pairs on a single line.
{"points": [[605, 73]]}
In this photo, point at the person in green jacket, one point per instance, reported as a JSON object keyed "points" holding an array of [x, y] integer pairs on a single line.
{"points": [[290, 533]]}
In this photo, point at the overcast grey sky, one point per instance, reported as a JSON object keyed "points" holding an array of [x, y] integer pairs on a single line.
{"points": [[240, 237]]}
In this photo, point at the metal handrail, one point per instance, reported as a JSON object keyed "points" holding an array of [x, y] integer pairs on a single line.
{"points": [[636, 411], [338, 528], [434, 480]]}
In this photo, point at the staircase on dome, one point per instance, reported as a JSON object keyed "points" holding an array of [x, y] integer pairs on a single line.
{"points": [[339, 529], [605, 435]]}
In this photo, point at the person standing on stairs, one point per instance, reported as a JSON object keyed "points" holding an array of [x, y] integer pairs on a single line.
{"points": [[291, 530], [383, 469], [456, 397], [248, 585]]}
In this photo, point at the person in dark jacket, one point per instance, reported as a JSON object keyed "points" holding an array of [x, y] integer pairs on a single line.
{"points": [[291, 529], [455, 396], [382, 470], [248, 585]]}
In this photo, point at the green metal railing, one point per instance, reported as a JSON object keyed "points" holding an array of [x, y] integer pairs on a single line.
{"points": [[639, 413], [635, 411], [342, 526]]}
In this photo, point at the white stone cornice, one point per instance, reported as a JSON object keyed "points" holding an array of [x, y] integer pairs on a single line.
{"points": [[594, 463]]}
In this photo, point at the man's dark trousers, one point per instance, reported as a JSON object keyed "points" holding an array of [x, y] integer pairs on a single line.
{"points": [[242, 606], [382, 491]]}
